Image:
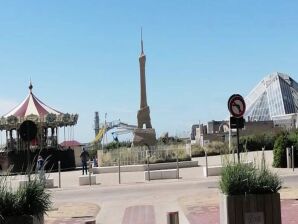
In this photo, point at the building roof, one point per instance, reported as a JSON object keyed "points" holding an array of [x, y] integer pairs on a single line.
{"points": [[31, 105], [72, 143], [275, 95]]}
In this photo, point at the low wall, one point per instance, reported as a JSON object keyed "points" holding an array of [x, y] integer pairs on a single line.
{"points": [[161, 174], [143, 167], [216, 170]]}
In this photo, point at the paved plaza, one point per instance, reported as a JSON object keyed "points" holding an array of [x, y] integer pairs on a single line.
{"points": [[136, 201]]}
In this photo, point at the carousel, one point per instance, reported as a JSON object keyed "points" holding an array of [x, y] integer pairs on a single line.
{"points": [[47, 120]]}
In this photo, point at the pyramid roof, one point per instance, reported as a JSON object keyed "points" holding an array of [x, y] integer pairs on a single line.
{"points": [[275, 95]]}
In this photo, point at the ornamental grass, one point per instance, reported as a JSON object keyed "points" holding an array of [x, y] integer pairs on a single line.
{"points": [[240, 179]]}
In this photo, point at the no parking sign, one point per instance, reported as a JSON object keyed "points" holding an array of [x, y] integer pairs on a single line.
{"points": [[236, 105]]}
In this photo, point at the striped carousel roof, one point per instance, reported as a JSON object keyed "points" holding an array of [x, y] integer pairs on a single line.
{"points": [[32, 105]]}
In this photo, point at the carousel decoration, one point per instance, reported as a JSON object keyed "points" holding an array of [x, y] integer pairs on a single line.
{"points": [[47, 120]]}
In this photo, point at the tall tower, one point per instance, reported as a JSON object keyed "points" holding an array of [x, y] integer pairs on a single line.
{"points": [[96, 123], [144, 112], [144, 134]]}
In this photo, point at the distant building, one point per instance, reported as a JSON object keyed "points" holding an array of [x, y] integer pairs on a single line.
{"points": [[274, 98], [270, 107]]}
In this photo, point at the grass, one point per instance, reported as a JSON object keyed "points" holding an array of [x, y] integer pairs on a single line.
{"points": [[30, 199], [213, 148], [133, 156]]}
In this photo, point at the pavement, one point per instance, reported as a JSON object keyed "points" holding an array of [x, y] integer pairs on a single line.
{"points": [[136, 201], [72, 213]]}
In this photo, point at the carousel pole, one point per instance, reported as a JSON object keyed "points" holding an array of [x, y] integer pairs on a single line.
{"points": [[56, 137], [6, 139]]}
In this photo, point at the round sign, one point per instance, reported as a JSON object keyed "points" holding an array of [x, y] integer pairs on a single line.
{"points": [[236, 105], [28, 130]]}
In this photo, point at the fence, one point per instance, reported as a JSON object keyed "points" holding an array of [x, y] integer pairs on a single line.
{"points": [[19, 159], [142, 155]]}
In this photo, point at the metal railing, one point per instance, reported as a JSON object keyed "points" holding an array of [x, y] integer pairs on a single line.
{"points": [[140, 155]]}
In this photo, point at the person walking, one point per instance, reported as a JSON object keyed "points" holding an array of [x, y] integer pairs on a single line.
{"points": [[40, 162], [84, 158], [40, 168]]}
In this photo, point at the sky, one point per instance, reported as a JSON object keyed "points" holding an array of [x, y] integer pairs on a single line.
{"points": [[82, 56]]}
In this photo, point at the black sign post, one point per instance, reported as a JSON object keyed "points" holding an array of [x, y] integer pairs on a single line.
{"points": [[236, 105]]}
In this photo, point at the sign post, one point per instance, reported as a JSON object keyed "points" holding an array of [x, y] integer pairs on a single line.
{"points": [[236, 106]]}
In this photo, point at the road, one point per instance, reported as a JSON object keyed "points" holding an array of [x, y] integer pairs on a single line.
{"points": [[164, 196]]}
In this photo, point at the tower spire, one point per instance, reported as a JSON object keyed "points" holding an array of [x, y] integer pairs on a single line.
{"points": [[30, 86], [142, 40]]}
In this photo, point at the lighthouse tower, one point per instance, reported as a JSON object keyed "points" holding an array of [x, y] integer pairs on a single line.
{"points": [[144, 134]]}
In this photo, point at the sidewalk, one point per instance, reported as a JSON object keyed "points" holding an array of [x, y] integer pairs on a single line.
{"points": [[193, 207], [72, 213]]}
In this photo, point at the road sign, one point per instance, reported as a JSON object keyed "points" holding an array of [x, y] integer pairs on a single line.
{"points": [[236, 122], [236, 105]]}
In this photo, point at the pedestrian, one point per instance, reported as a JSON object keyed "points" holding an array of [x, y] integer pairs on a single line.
{"points": [[40, 162], [95, 164], [40, 168], [84, 158]]}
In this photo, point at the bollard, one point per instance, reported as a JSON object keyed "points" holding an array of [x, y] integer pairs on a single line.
{"points": [[119, 168], [173, 218], [148, 167], [59, 171], [89, 171], [293, 157], [206, 156], [289, 157], [263, 163], [177, 160]]}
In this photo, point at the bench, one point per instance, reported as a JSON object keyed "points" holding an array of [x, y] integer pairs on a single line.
{"points": [[212, 170], [49, 183], [161, 174], [84, 180]]}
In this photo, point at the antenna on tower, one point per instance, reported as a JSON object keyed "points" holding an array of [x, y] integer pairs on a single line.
{"points": [[142, 40]]}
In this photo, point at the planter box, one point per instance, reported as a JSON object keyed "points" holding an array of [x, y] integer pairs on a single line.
{"points": [[250, 209], [24, 219]]}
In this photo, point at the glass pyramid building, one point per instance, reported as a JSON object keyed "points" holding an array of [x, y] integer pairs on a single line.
{"points": [[274, 98]]}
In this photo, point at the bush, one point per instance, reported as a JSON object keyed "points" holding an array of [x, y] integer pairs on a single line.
{"points": [[212, 148], [217, 148], [279, 151], [31, 199], [239, 179], [197, 151], [257, 142]]}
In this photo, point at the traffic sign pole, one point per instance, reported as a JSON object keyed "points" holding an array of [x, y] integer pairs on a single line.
{"points": [[236, 106], [238, 150]]}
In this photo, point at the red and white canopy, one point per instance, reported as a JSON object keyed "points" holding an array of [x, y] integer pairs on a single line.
{"points": [[32, 105]]}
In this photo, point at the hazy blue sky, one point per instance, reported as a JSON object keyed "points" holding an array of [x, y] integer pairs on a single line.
{"points": [[82, 56]]}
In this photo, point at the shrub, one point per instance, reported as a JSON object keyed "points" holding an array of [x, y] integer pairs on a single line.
{"points": [[257, 142], [279, 151], [197, 151], [239, 179], [217, 148], [212, 148], [31, 199]]}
